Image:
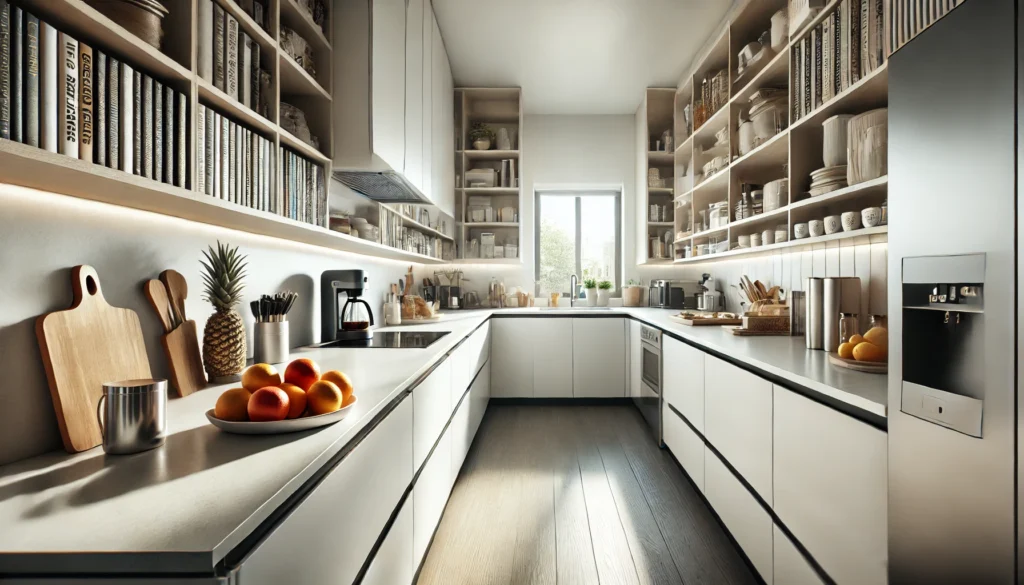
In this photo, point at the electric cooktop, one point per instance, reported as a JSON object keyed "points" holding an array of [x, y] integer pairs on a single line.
{"points": [[394, 340]]}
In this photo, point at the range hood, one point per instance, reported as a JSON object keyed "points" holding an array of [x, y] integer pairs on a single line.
{"points": [[382, 186]]}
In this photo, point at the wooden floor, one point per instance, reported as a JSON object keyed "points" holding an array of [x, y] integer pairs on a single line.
{"points": [[576, 495]]}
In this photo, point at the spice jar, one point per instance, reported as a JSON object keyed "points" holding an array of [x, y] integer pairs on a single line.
{"points": [[849, 325]]}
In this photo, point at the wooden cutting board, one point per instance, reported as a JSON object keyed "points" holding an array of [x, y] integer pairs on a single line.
{"points": [[182, 348], [866, 367], [83, 347], [705, 322]]}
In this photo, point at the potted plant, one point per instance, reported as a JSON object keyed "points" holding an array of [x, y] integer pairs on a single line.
{"points": [[632, 294], [604, 291], [481, 136], [590, 291], [224, 334]]}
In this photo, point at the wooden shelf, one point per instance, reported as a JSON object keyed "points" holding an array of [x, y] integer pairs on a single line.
{"points": [[39, 169], [781, 213], [868, 93], [485, 261], [295, 80], [225, 104], [661, 158], [770, 156], [659, 190], [412, 223], [657, 262], [296, 19], [489, 154], [291, 141], [490, 190], [841, 236], [774, 74], [660, 223], [716, 122], [874, 186], [250, 26], [490, 224]]}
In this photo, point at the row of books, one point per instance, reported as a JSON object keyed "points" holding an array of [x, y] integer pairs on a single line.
{"points": [[230, 59], [846, 46], [304, 189], [910, 17], [234, 163], [68, 97]]}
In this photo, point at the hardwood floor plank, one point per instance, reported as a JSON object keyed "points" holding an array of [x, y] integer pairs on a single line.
{"points": [[574, 549], [611, 547], [533, 561], [651, 557]]}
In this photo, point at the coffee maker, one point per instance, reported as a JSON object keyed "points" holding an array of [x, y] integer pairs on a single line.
{"points": [[351, 321]]}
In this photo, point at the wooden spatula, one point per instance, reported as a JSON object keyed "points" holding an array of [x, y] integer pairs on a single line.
{"points": [[182, 344], [156, 292], [177, 290]]}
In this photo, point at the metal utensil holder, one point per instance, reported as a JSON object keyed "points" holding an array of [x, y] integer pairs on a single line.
{"points": [[271, 342]]}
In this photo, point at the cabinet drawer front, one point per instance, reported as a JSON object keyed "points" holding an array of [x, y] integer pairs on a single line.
{"points": [[687, 447], [831, 487], [682, 381], [599, 358], [462, 363], [430, 494], [480, 344], [432, 407], [512, 358], [738, 421], [480, 395], [791, 568], [748, 522], [461, 431], [393, 563], [328, 537]]}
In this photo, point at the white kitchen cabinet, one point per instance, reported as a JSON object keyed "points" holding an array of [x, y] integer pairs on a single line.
{"points": [[414, 91], [427, 99], [443, 120], [741, 513], [831, 487], [430, 494], [432, 407], [345, 506], [462, 362], [738, 421], [552, 358], [480, 395], [461, 431], [686, 446], [599, 357], [480, 347], [682, 379], [790, 567], [635, 370], [392, 565], [512, 357]]}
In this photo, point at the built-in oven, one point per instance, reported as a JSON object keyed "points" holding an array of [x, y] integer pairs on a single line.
{"points": [[649, 400]]}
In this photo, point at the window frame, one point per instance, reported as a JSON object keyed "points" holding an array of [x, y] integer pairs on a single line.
{"points": [[616, 193]]}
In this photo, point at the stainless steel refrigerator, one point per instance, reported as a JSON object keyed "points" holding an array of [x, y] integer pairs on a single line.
{"points": [[952, 283]]}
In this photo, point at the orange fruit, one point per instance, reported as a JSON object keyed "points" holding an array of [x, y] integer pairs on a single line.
{"points": [[340, 380], [268, 404], [233, 405], [878, 336], [258, 376], [855, 339], [348, 400], [323, 397], [846, 350], [296, 399], [302, 372], [868, 352]]}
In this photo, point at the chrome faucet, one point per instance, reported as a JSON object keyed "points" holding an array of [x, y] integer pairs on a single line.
{"points": [[573, 284]]}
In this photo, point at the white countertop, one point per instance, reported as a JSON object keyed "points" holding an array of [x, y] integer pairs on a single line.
{"points": [[191, 501]]}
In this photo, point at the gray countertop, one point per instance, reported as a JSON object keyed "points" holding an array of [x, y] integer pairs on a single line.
{"points": [[184, 506]]}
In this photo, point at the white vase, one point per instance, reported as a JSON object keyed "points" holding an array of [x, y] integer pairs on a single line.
{"points": [[482, 144], [504, 142], [591, 297], [602, 297]]}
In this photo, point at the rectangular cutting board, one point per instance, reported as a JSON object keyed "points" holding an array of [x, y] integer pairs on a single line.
{"points": [[82, 348]]}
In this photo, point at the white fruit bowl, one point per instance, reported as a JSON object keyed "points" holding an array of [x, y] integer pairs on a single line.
{"points": [[292, 425]]}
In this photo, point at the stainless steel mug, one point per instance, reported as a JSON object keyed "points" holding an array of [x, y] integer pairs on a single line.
{"points": [[132, 415], [271, 342]]}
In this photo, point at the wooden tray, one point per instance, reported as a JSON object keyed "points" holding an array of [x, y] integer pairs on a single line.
{"points": [[280, 426], [705, 322], [740, 331], [867, 367]]}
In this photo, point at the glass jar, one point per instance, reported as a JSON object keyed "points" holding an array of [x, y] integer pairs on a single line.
{"points": [[878, 321], [757, 201], [885, 212], [849, 325]]}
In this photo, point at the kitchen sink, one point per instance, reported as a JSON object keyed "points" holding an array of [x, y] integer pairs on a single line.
{"points": [[575, 308]]}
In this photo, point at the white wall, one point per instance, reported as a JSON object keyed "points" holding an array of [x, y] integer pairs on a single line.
{"points": [[42, 235]]}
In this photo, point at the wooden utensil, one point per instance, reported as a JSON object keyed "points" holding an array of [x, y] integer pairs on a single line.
{"points": [[182, 344], [156, 292], [84, 346]]}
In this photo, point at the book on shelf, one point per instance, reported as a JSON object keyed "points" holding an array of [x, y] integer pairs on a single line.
{"points": [[815, 68], [201, 148], [17, 73], [100, 107], [826, 60], [254, 79], [31, 99], [48, 86], [247, 174], [837, 58], [86, 101], [244, 68], [137, 115], [204, 59], [181, 139], [219, 41], [217, 163], [114, 76], [158, 131], [231, 57], [805, 82], [5, 69], [173, 143], [210, 150], [794, 82], [147, 119], [854, 40], [127, 118], [67, 95]]}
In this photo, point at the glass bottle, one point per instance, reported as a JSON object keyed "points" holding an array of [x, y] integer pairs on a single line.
{"points": [[878, 321], [885, 212], [849, 325]]}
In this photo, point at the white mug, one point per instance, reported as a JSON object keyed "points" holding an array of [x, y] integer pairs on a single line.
{"points": [[851, 221], [755, 240], [871, 216], [816, 227], [768, 237], [743, 241], [832, 224], [800, 231]]}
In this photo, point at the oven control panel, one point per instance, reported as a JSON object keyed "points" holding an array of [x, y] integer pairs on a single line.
{"points": [[650, 335]]}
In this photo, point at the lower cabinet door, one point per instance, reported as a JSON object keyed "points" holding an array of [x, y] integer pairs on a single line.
{"points": [[430, 494], [480, 395], [512, 357], [461, 431], [599, 358], [635, 359], [552, 359], [687, 447], [748, 522], [462, 362], [432, 402], [791, 568], [393, 563], [328, 537]]}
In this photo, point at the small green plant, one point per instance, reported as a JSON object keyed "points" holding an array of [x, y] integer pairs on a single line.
{"points": [[480, 132], [605, 285], [589, 283], [633, 282]]}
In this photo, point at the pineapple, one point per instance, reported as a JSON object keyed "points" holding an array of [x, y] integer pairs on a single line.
{"points": [[224, 334]]}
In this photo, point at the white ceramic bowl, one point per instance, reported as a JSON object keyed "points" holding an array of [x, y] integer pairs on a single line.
{"points": [[800, 231], [871, 216], [291, 425], [768, 237], [781, 236], [755, 240], [743, 241], [816, 228], [832, 224], [851, 221]]}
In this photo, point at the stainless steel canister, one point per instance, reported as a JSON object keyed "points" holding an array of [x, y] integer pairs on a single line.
{"points": [[132, 415], [271, 342], [797, 312], [841, 295], [813, 324]]}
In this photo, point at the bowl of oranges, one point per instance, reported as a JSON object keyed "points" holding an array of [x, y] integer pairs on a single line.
{"points": [[864, 353], [269, 403]]}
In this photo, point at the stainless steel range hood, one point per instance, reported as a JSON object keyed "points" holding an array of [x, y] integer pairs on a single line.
{"points": [[383, 186]]}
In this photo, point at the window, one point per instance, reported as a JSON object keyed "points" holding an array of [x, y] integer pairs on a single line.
{"points": [[577, 233]]}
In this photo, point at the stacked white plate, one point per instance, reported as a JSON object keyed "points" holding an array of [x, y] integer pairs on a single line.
{"points": [[827, 180]]}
